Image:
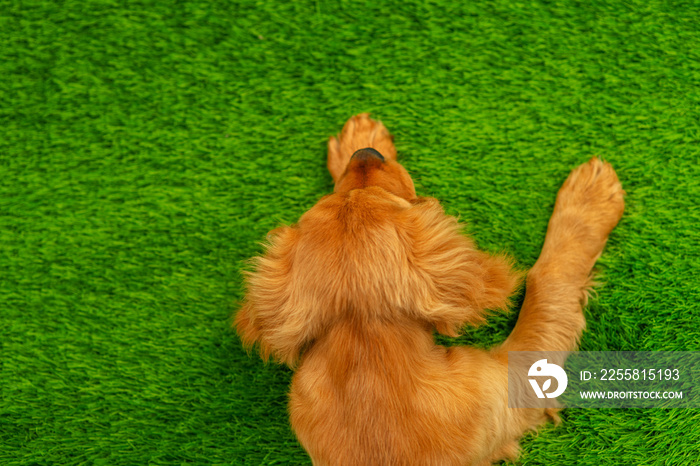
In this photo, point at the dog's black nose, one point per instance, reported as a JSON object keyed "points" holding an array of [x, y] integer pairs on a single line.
{"points": [[367, 153]]}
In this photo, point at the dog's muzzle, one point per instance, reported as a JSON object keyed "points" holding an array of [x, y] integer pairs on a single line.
{"points": [[367, 154]]}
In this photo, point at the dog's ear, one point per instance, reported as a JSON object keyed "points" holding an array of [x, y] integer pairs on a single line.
{"points": [[455, 282], [273, 315]]}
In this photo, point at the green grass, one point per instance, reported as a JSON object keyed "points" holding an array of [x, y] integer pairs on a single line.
{"points": [[146, 148]]}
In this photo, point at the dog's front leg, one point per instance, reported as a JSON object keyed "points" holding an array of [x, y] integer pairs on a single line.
{"points": [[588, 206]]}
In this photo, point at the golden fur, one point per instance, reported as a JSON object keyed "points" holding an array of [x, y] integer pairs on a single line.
{"points": [[350, 296]]}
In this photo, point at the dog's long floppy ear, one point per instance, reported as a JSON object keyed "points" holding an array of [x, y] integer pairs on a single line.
{"points": [[456, 283], [273, 315]]}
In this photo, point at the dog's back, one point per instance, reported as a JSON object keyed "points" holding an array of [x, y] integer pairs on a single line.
{"points": [[382, 393]]}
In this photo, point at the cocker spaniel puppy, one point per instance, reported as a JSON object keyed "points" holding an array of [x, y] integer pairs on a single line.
{"points": [[351, 294]]}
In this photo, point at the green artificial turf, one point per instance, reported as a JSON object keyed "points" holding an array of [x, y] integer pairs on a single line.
{"points": [[146, 148]]}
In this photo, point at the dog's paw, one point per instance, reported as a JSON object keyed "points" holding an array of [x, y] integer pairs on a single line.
{"points": [[590, 202], [359, 132]]}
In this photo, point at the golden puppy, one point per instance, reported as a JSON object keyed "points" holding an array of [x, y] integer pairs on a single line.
{"points": [[351, 294]]}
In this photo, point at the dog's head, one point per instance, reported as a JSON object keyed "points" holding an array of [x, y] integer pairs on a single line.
{"points": [[370, 250]]}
